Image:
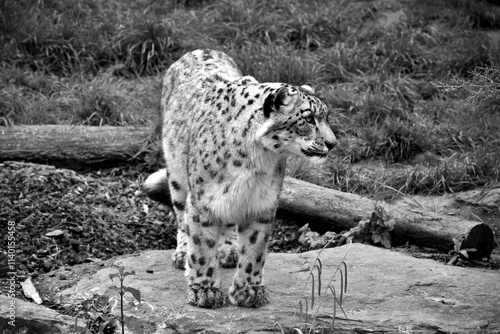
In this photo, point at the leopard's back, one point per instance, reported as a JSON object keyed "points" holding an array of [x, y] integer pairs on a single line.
{"points": [[185, 85], [195, 71]]}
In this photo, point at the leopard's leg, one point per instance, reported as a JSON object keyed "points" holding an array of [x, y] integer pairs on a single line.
{"points": [[248, 289], [202, 265], [178, 194], [179, 256], [228, 243]]}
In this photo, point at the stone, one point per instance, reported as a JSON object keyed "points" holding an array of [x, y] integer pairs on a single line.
{"points": [[18, 316], [386, 291], [30, 291]]}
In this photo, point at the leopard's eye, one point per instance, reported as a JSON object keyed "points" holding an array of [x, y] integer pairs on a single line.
{"points": [[309, 119]]}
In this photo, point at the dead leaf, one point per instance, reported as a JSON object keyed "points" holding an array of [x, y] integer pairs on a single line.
{"points": [[30, 291], [54, 233]]}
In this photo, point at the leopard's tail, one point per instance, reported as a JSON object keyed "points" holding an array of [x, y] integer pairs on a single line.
{"points": [[156, 187]]}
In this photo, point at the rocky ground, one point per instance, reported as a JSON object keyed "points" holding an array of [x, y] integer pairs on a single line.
{"points": [[377, 291]]}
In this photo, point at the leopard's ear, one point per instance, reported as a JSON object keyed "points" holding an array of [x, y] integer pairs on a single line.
{"points": [[276, 100], [308, 89]]}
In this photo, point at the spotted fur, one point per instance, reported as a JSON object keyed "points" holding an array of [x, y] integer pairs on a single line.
{"points": [[225, 139]]}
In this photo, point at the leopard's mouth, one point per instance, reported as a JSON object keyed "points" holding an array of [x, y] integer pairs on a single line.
{"points": [[314, 153]]}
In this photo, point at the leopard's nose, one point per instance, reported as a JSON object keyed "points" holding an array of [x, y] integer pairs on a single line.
{"points": [[330, 144]]}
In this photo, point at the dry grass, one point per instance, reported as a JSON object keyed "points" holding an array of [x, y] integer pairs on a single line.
{"points": [[425, 84]]}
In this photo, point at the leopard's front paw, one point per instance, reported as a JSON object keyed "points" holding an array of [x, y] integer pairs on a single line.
{"points": [[249, 296], [205, 297], [178, 259], [228, 256]]}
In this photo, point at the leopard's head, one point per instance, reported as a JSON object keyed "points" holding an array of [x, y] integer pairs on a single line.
{"points": [[296, 123]]}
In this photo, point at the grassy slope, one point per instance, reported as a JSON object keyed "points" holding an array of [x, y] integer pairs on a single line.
{"points": [[100, 62]]}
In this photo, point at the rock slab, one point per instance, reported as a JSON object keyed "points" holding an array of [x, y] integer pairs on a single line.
{"points": [[387, 291], [17, 316]]}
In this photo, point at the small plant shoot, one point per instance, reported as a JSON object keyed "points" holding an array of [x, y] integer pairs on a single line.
{"points": [[123, 289], [309, 306]]}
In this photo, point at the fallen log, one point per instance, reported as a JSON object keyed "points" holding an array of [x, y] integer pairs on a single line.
{"points": [[73, 147], [77, 147], [413, 225]]}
